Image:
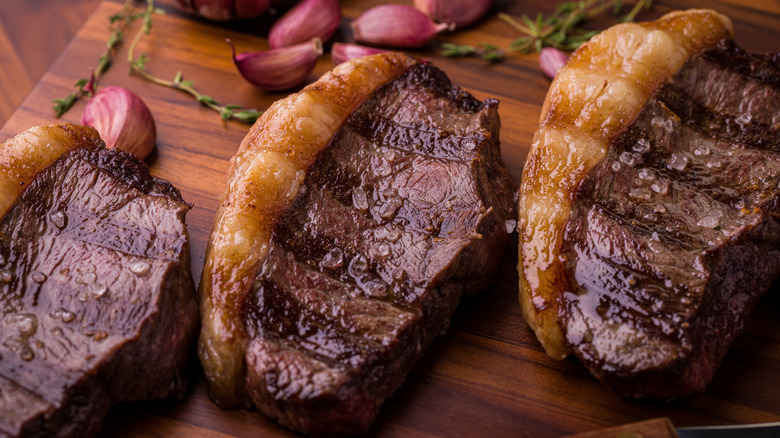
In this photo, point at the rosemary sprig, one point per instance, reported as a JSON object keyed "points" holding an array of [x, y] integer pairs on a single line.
{"points": [[87, 86], [561, 29], [138, 66]]}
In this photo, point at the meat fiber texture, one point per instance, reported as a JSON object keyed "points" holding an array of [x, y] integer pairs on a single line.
{"points": [[98, 302], [406, 207], [669, 234]]}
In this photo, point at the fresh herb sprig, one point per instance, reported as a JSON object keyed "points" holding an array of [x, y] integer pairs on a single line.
{"points": [[117, 22], [86, 86], [561, 29], [138, 66], [485, 51]]}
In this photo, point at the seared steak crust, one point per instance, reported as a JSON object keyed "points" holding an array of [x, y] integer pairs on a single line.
{"points": [[592, 100], [96, 295], [673, 237], [407, 208], [264, 178]]}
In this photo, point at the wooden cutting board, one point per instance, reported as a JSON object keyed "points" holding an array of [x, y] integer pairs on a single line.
{"points": [[487, 376]]}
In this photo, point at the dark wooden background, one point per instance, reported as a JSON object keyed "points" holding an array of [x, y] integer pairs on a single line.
{"points": [[487, 376]]}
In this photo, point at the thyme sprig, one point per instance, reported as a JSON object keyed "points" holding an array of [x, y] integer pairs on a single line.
{"points": [[485, 51], [86, 86], [138, 66], [562, 29]]}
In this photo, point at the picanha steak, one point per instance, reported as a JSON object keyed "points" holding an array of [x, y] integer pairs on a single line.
{"points": [[357, 213], [649, 203], [97, 300]]}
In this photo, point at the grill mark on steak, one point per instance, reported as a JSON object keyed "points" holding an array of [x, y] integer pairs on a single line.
{"points": [[729, 56], [404, 211], [672, 239], [99, 304], [733, 128], [730, 82]]}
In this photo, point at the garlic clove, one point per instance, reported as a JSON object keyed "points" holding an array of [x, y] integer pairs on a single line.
{"points": [[343, 52], [279, 69], [396, 26], [122, 119], [459, 12], [551, 60], [307, 20]]}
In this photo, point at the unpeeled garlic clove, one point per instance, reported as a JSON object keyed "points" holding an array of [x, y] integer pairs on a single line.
{"points": [[458, 12], [307, 20], [396, 26], [279, 69], [122, 119], [343, 52], [551, 60]]}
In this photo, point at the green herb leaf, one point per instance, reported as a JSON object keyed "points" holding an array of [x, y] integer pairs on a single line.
{"points": [[488, 52], [248, 116], [139, 66], [457, 50], [87, 86], [562, 29], [226, 113], [61, 106], [206, 99]]}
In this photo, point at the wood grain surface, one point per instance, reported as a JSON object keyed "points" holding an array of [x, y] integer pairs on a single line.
{"points": [[487, 376], [32, 35]]}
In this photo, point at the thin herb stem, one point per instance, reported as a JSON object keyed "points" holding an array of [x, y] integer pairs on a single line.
{"points": [[561, 29], [87, 86], [635, 10], [138, 66], [514, 23], [146, 29], [487, 52]]}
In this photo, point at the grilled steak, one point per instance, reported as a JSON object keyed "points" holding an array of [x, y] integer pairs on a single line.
{"points": [[406, 208], [672, 237], [98, 303]]}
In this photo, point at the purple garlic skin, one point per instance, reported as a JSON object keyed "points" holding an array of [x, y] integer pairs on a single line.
{"points": [[395, 26], [460, 13], [551, 60], [122, 119], [225, 10], [308, 19], [343, 52], [279, 69]]}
